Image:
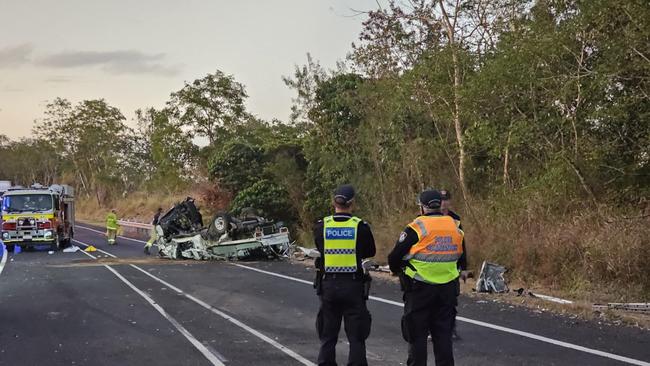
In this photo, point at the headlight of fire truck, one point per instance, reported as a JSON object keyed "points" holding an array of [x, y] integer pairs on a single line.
{"points": [[5, 236], [48, 234]]}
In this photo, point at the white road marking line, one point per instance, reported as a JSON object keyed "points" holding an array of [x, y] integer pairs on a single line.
{"points": [[3, 261], [195, 342], [572, 346], [103, 233], [216, 311], [258, 334], [273, 274], [483, 324], [99, 250]]}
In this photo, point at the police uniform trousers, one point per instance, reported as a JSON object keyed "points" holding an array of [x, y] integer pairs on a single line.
{"points": [[430, 309], [342, 299]]}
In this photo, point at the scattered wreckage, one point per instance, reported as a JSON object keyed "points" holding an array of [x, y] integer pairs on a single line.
{"points": [[491, 278], [182, 235]]}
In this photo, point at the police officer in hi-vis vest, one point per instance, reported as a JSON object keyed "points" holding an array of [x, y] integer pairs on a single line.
{"points": [[343, 240], [445, 207], [425, 256]]}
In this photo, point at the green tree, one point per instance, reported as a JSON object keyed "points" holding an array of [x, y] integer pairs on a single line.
{"points": [[237, 165], [92, 138], [168, 150], [210, 105], [270, 199], [332, 146], [29, 161]]}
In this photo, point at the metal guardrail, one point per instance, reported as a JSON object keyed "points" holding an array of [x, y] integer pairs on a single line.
{"points": [[133, 224], [639, 307]]}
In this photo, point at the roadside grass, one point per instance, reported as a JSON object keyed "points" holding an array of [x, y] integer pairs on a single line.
{"points": [[595, 256], [139, 206]]}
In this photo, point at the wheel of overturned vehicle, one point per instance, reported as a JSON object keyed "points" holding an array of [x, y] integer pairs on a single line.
{"points": [[220, 224]]}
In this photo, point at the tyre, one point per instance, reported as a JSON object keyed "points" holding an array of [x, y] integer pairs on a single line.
{"points": [[219, 225]]}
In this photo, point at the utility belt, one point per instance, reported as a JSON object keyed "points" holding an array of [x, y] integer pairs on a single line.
{"points": [[342, 276], [320, 277], [408, 284]]}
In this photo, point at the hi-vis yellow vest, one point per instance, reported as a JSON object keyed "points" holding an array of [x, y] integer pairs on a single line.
{"points": [[111, 221], [340, 245], [439, 247]]}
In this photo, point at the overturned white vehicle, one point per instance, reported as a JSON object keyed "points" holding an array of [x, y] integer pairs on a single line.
{"points": [[181, 235]]}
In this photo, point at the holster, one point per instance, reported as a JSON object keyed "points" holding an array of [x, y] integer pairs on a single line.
{"points": [[367, 281], [318, 282], [405, 282]]}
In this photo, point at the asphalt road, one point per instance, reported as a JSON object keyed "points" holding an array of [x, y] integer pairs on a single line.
{"points": [[110, 307]]}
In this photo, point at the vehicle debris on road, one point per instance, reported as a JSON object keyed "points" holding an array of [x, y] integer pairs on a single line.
{"points": [[181, 235], [550, 298], [302, 252], [491, 278], [71, 249]]}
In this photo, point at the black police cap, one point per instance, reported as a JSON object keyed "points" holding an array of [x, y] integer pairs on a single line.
{"points": [[430, 198], [344, 194]]}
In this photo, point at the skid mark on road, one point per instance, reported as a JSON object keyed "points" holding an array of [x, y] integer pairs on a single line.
{"points": [[218, 312]]}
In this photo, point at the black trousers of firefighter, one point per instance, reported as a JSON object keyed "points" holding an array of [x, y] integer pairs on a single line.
{"points": [[430, 309], [342, 299]]}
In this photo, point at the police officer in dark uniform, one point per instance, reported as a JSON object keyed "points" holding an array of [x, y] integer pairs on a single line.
{"points": [[445, 207], [425, 257], [343, 240]]}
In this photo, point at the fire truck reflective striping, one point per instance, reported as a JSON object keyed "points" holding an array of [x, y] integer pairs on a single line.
{"points": [[36, 216]]}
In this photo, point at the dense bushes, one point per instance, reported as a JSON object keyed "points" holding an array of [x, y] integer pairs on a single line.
{"points": [[533, 113]]}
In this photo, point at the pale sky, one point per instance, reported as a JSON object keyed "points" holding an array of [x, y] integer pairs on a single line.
{"points": [[134, 53]]}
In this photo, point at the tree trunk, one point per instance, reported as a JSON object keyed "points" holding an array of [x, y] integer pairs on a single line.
{"points": [[457, 123], [506, 157], [451, 39], [585, 185]]}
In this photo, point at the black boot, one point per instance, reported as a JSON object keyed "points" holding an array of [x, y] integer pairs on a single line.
{"points": [[146, 250]]}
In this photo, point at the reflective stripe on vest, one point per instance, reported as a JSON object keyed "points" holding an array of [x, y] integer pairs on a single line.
{"points": [[439, 247], [340, 243]]}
